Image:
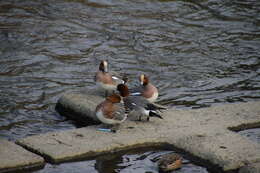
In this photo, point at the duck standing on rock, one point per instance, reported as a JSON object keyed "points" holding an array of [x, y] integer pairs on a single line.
{"points": [[137, 107], [146, 89], [111, 111], [170, 162], [105, 80]]}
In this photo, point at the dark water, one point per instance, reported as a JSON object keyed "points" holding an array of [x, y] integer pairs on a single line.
{"points": [[252, 134], [125, 162]]}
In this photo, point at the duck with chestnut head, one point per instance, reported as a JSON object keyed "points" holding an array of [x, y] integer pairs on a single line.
{"points": [[111, 111]]}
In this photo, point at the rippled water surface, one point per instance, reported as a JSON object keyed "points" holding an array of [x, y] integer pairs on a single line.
{"points": [[198, 53], [252, 134], [125, 162]]}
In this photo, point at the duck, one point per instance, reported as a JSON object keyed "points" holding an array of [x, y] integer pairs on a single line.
{"points": [[146, 89], [111, 111], [105, 80], [138, 107], [170, 162]]}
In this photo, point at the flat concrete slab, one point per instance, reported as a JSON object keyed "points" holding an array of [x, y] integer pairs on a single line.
{"points": [[14, 158], [201, 132]]}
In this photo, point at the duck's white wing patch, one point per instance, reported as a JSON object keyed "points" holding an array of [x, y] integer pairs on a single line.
{"points": [[135, 94], [114, 77], [133, 104], [118, 80]]}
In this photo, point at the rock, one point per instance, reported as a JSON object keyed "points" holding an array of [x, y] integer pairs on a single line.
{"points": [[80, 106], [14, 158]]}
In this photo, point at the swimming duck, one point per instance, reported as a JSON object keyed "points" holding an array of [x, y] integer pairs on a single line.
{"points": [[137, 107], [111, 111], [170, 162], [105, 80], [146, 89]]}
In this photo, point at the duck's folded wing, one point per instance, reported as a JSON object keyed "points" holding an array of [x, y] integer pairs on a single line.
{"points": [[116, 77], [133, 101], [119, 113], [137, 91]]}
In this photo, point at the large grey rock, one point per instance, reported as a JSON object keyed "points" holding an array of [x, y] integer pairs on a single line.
{"points": [[80, 106], [201, 132], [13, 158]]}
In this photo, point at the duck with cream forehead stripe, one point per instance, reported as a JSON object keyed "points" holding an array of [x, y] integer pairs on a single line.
{"points": [[104, 80], [146, 89]]}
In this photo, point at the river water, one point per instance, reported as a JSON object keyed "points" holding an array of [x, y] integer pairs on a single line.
{"points": [[197, 52], [133, 161]]}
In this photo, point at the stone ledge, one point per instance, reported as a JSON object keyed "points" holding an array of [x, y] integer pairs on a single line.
{"points": [[14, 158], [201, 132]]}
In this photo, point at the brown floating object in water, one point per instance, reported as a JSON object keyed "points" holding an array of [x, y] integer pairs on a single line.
{"points": [[170, 162]]}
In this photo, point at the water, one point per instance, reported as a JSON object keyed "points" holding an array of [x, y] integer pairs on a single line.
{"points": [[124, 162], [198, 53], [252, 134]]}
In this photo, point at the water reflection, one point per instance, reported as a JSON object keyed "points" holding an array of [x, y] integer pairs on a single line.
{"points": [[252, 134], [198, 53], [142, 161]]}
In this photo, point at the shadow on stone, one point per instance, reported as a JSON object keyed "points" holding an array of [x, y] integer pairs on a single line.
{"points": [[79, 119]]}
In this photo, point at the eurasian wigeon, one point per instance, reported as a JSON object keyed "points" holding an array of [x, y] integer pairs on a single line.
{"points": [[111, 111], [105, 80], [137, 106], [146, 89], [170, 162]]}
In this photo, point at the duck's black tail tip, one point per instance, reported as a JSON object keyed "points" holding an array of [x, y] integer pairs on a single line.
{"points": [[154, 114]]}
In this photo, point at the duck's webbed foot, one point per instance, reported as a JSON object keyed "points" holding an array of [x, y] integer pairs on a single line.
{"points": [[115, 128]]}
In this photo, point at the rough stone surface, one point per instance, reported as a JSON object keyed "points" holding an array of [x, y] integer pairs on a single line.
{"points": [[80, 106], [201, 132], [13, 158]]}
